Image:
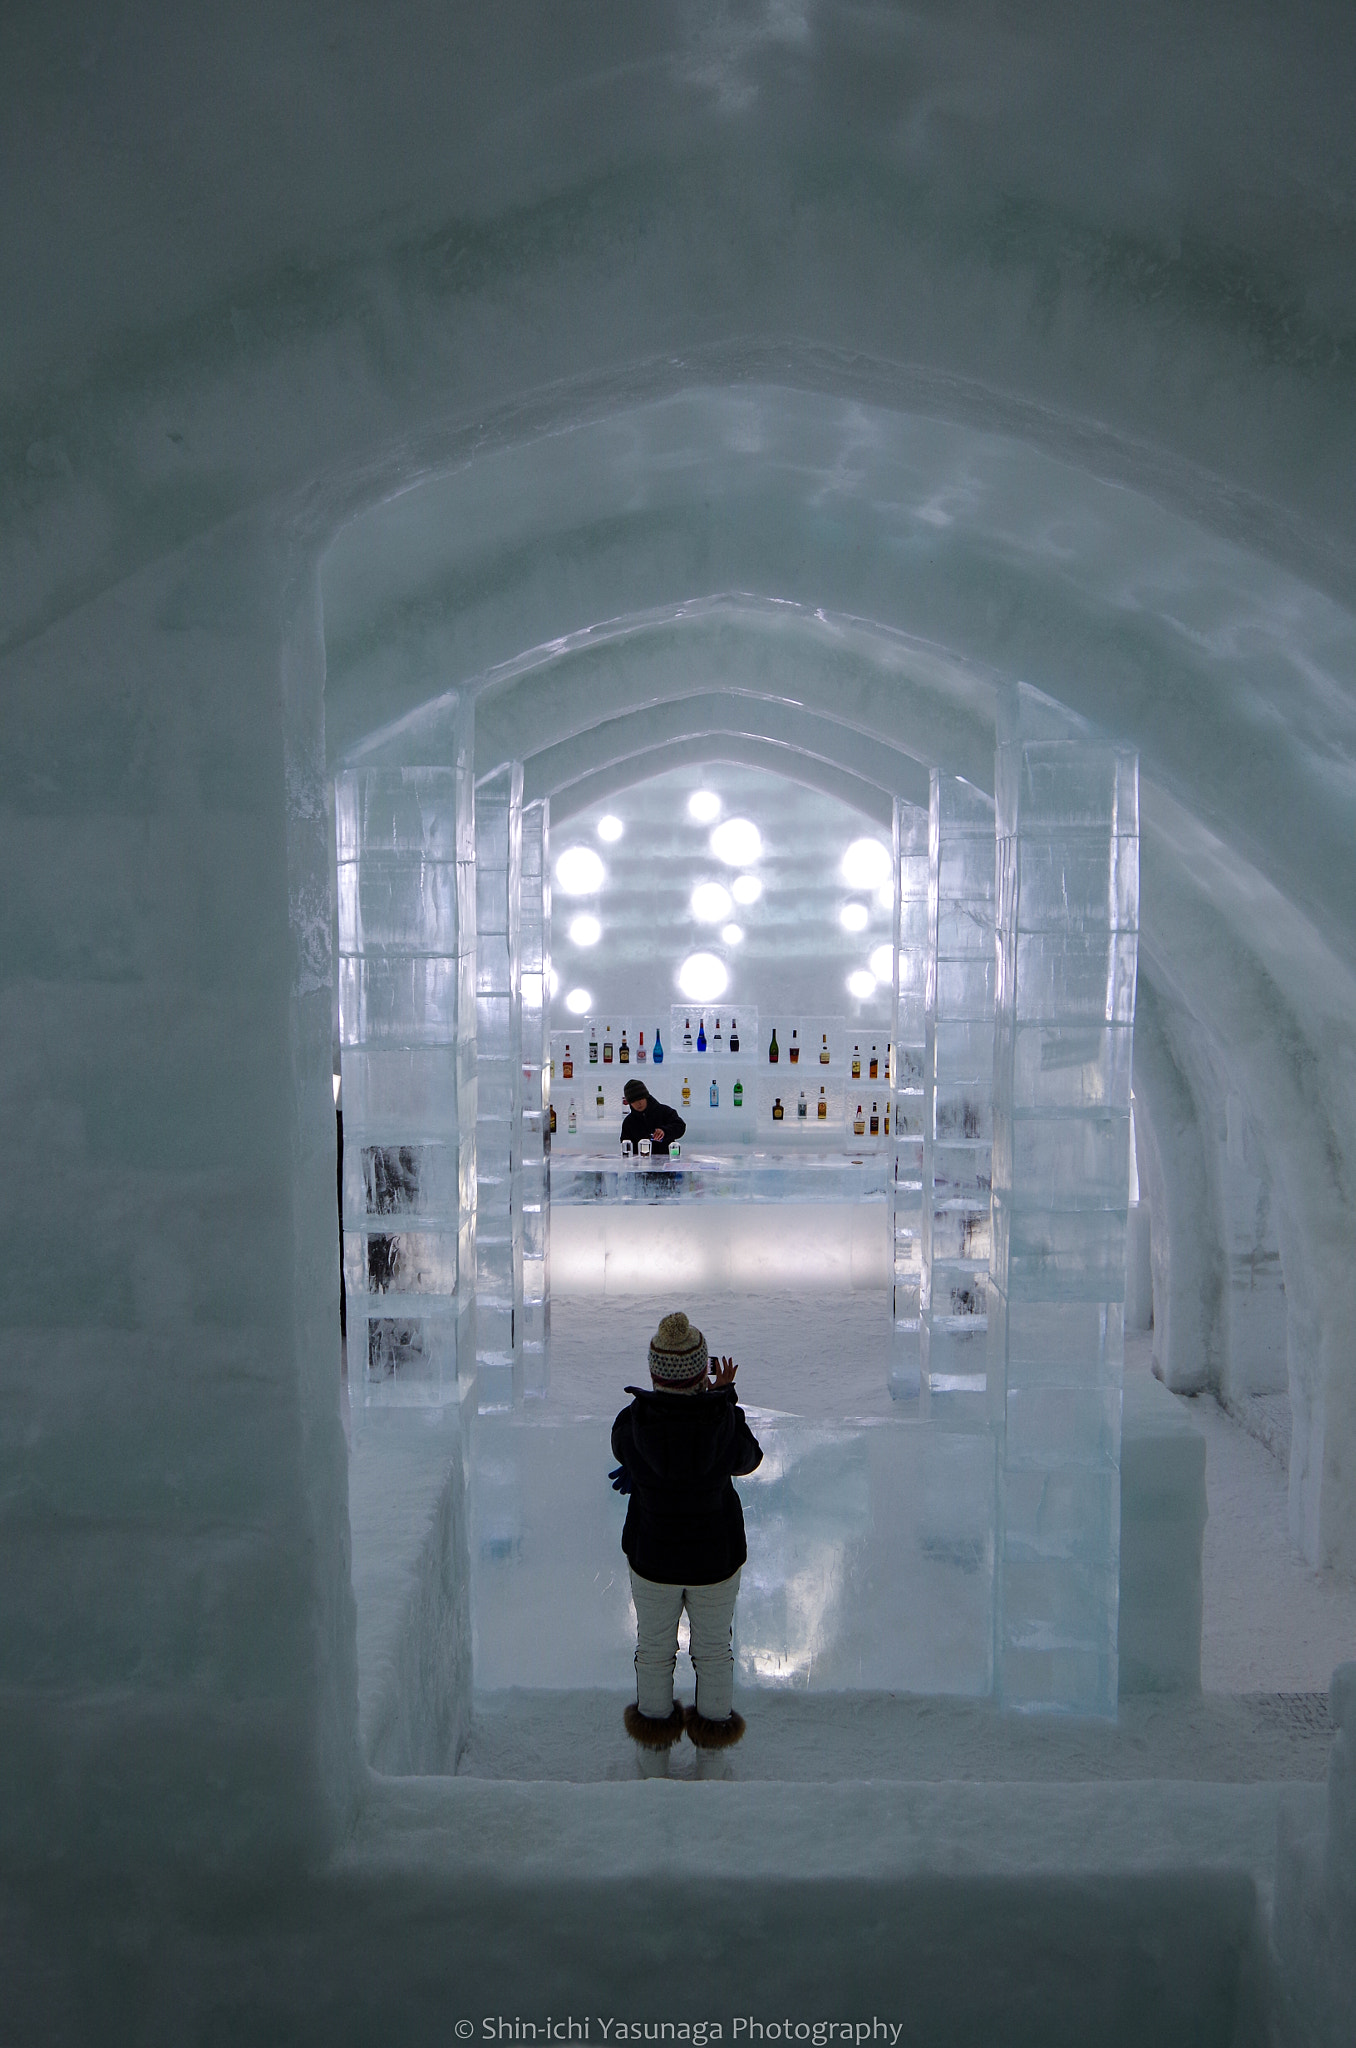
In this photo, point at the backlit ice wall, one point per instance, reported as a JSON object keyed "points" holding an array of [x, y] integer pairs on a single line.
{"points": [[738, 869]]}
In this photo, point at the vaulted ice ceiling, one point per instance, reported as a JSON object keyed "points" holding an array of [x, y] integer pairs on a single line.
{"points": [[774, 380]]}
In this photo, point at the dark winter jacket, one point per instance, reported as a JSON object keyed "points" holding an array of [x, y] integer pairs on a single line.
{"points": [[658, 1116], [684, 1524]]}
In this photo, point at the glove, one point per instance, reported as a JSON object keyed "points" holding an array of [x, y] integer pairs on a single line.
{"points": [[621, 1479]]}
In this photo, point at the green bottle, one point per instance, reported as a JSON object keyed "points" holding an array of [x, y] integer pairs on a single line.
{"points": [[738, 1097], [772, 1053]]}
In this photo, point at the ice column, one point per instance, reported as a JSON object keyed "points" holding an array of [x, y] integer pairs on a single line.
{"points": [[1068, 913], [499, 1219], [957, 1096], [534, 937], [906, 1123], [408, 1087]]}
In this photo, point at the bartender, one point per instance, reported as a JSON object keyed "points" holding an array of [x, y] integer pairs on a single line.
{"points": [[646, 1118]]}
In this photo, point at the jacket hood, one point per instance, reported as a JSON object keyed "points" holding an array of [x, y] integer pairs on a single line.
{"points": [[683, 1437]]}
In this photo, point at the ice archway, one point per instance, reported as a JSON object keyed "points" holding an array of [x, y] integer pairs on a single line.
{"points": [[846, 586], [1023, 342]]}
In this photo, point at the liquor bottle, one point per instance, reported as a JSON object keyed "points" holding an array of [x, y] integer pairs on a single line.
{"points": [[687, 1034], [567, 1064], [715, 1093], [887, 1116], [802, 1108], [823, 1048], [687, 1094], [856, 1063], [795, 1048], [823, 1107], [734, 1034], [607, 1047], [875, 1121], [873, 1071], [640, 1050], [593, 1045], [717, 1042], [658, 1048], [701, 1034], [602, 1106], [773, 1055], [889, 1066], [553, 1119], [572, 1120], [738, 1097], [859, 1123], [778, 1113], [623, 1051]]}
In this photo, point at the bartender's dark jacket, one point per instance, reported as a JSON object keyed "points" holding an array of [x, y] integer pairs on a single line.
{"points": [[658, 1116]]}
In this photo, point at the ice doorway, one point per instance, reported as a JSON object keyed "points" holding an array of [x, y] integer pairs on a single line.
{"points": [[948, 1543], [695, 917]]}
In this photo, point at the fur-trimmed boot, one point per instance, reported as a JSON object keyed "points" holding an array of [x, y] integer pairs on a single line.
{"points": [[713, 1734], [654, 1734]]}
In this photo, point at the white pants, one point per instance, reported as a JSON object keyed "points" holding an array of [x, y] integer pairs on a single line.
{"points": [[710, 1615]]}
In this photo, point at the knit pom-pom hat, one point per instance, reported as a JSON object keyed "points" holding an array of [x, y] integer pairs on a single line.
{"points": [[678, 1354]]}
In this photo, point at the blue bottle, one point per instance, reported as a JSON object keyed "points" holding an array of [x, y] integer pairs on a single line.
{"points": [[701, 1034], [657, 1056], [715, 1094]]}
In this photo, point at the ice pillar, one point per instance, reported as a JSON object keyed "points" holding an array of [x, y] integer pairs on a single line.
{"points": [[906, 1092], [534, 933], [1067, 937], [499, 1233], [957, 1096], [408, 1088]]}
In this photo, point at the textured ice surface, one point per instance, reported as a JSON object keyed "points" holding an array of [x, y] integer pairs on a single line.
{"points": [[406, 953], [1067, 922]]}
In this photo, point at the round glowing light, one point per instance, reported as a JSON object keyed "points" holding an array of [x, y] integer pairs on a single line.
{"points": [[703, 805], [861, 984], [579, 872], [610, 828], [710, 903], [737, 842], [853, 917], [882, 963], [885, 896], [733, 935], [585, 930], [703, 978], [867, 864], [578, 1001], [746, 888]]}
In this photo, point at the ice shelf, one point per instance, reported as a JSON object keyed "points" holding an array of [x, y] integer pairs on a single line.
{"points": [[912, 951], [957, 1094], [406, 884], [499, 1198], [1068, 902]]}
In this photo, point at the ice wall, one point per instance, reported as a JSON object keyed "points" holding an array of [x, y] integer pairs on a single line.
{"points": [[407, 1031], [1067, 941], [499, 1079], [958, 1082], [534, 983], [912, 954]]}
